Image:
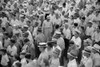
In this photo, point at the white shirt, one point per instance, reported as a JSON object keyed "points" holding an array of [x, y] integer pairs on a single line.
{"points": [[96, 36], [12, 50], [4, 60], [35, 31], [87, 62], [89, 31], [57, 21], [23, 62], [67, 33], [61, 43], [72, 63], [30, 36], [15, 22], [77, 41], [77, 21], [1, 45]]}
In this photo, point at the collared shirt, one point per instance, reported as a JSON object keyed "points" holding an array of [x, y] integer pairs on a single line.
{"points": [[40, 38], [43, 56], [4, 60], [96, 59], [96, 36], [77, 41], [54, 62], [87, 62], [23, 62], [67, 33], [6, 42], [30, 36], [12, 50], [61, 43], [89, 31], [35, 31], [72, 63]]}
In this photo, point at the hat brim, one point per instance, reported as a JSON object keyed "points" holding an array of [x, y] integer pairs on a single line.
{"points": [[42, 46], [86, 52], [71, 55], [95, 49]]}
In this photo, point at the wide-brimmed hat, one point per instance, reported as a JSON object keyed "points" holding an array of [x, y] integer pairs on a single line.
{"points": [[73, 53], [58, 33], [43, 44], [23, 53], [96, 47], [87, 50], [77, 31], [50, 43], [57, 51], [25, 26]]}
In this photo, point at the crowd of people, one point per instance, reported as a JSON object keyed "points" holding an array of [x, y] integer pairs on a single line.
{"points": [[49, 33]]}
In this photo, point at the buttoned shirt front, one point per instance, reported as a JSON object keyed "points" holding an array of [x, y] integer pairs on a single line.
{"points": [[72, 63]]}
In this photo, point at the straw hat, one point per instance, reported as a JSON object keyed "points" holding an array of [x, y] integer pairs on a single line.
{"points": [[96, 47], [58, 33], [78, 31], [73, 53], [23, 53], [25, 26], [43, 44], [88, 50]]}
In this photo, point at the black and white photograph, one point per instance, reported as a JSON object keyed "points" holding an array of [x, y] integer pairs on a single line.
{"points": [[49, 33]]}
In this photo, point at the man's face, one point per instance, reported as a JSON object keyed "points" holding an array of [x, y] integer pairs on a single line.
{"points": [[76, 34], [41, 49]]}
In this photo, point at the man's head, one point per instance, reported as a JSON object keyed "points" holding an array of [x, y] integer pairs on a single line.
{"points": [[90, 24], [12, 41]]}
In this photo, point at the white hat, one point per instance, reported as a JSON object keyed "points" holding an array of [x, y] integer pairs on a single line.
{"points": [[25, 26], [43, 44], [73, 53], [88, 41], [87, 49], [21, 15], [58, 32], [96, 47]]}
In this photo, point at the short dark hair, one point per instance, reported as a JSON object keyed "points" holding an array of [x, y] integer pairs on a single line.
{"points": [[50, 44], [12, 40], [76, 24], [57, 26]]}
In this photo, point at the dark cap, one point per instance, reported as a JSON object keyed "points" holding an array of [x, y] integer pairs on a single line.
{"points": [[26, 40], [3, 50], [12, 40]]}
